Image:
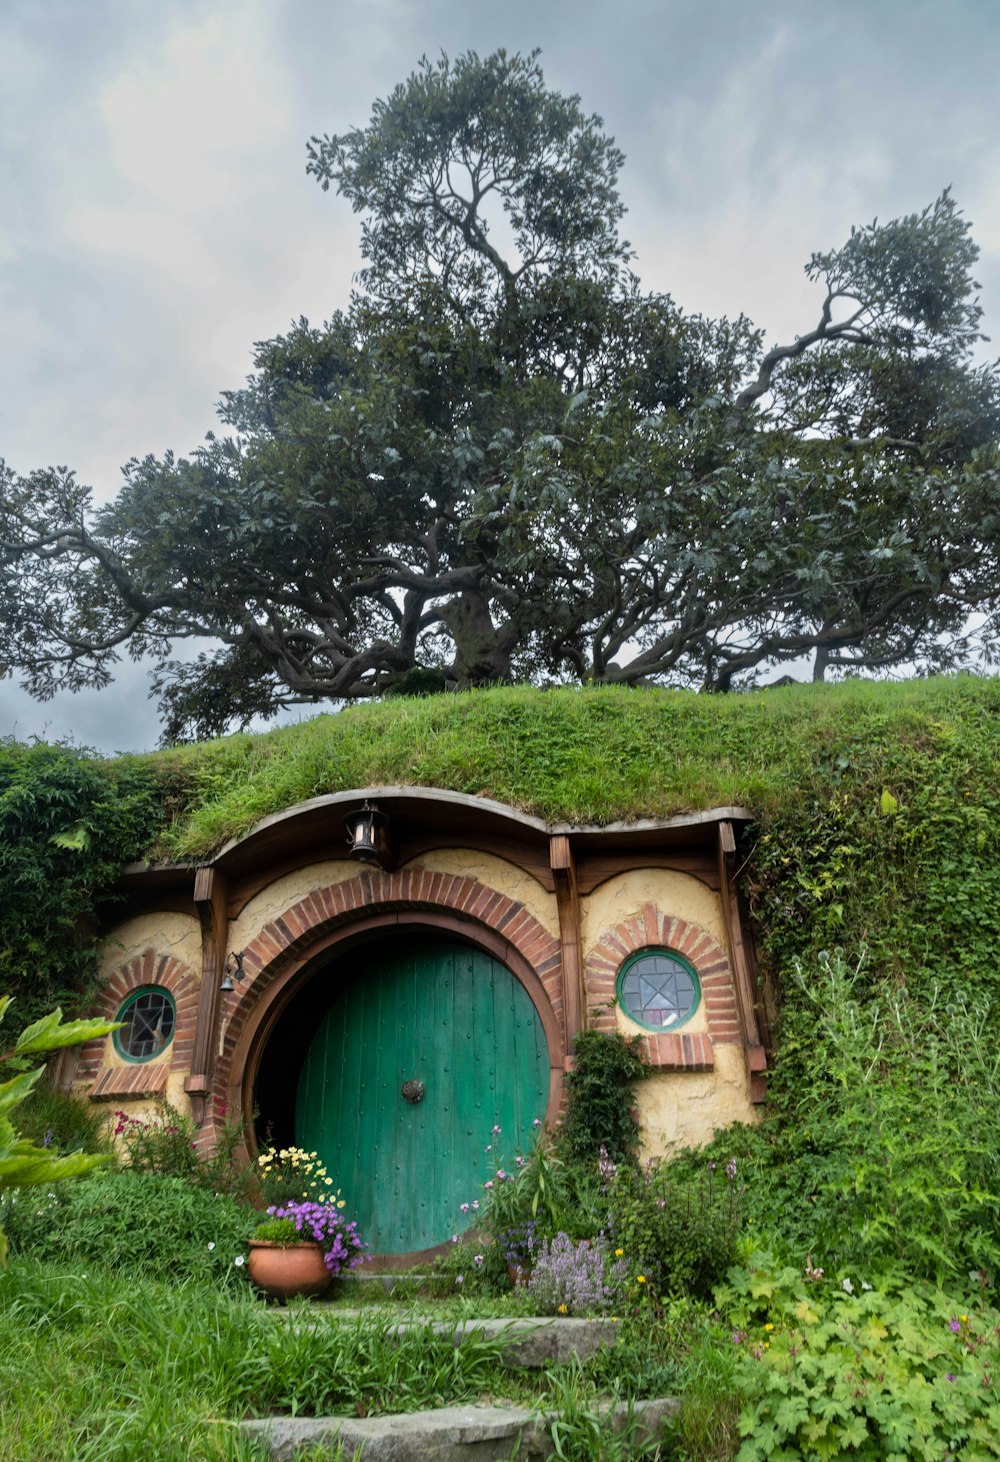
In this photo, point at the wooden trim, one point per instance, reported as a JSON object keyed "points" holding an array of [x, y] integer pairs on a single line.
{"points": [[210, 897], [568, 904], [743, 980]]}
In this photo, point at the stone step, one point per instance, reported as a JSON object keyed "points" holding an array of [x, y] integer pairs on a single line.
{"points": [[531, 1342], [449, 1434]]}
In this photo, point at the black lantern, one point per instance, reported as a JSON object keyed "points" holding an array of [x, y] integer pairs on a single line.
{"points": [[233, 968], [363, 830]]}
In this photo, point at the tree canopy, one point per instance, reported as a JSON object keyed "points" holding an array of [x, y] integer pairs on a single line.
{"points": [[504, 460]]}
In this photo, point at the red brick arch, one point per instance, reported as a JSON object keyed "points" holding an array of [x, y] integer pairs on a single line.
{"points": [[283, 943], [146, 1078], [649, 928]]}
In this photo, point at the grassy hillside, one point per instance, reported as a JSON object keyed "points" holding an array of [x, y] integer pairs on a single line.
{"points": [[872, 871]]}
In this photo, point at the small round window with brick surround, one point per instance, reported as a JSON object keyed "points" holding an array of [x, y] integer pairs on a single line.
{"points": [[658, 989], [148, 1018]]}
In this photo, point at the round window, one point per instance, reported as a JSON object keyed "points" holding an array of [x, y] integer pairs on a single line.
{"points": [[658, 989], [147, 1027]]}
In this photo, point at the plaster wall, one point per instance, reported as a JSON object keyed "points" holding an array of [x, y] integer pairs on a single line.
{"points": [[280, 895], [495, 873], [681, 1108], [168, 933], [673, 893]]}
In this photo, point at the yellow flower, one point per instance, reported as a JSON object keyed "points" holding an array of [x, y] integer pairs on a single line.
{"points": [[342, 1203], [640, 1279], [328, 1182], [964, 1319], [619, 1253], [562, 1309], [768, 1327]]}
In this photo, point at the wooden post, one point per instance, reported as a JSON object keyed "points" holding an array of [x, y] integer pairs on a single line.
{"points": [[210, 897], [563, 865], [746, 999]]}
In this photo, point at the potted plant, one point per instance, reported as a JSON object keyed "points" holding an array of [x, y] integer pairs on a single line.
{"points": [[301, 1247]]}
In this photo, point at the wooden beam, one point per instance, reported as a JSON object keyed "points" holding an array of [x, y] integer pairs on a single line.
{"points": [[563, 864], [210, 897], [746, 997]]}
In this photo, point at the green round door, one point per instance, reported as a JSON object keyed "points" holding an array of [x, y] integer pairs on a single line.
{"points": [[422, 1054]]}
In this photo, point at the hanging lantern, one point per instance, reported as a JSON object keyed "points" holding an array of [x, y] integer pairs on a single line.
{"points": [[363, 829]]}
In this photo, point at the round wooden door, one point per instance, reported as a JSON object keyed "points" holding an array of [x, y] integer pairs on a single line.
{"points": [[430, 1046]]}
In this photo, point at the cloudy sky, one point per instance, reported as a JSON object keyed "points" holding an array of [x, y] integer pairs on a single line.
{"points": [[156, 219]]}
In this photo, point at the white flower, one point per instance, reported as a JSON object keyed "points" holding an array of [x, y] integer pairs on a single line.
{"points": [[864, 1285], [846, 1284], [210, 1248], [239, 1261]]}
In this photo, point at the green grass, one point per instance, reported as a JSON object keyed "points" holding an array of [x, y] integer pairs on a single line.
{"points": [[596, 755], [101, 1366]]}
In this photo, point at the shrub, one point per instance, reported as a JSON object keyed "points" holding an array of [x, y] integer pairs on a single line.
{"points": [[146, 1223], [61, 1122], [680, 1236]]}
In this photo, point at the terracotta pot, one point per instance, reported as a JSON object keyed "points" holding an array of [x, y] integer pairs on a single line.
{"points": [[284, 1270]]}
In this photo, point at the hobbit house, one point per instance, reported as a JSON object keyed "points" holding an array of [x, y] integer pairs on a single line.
{"points": [[388, 1004]]}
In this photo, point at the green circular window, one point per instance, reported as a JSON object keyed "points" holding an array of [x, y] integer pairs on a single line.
{"points": [[148, 1017], [658, 989]]}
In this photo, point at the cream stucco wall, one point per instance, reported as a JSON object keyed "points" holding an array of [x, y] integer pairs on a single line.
{"points": [[675, 894], [496, 873], [684, 1108], [280, 895], [178, 935]]}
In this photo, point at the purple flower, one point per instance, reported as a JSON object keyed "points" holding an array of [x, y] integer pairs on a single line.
{"points": [[496, 1131], [537, 1122], [465, 1208], [949, 1377], [488, 1184], [475, 1205], [954, 1325], [460, 1279], [478, 1260], [501, 1175]]}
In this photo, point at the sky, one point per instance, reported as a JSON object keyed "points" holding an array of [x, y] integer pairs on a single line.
{"points": [[156, 218]]}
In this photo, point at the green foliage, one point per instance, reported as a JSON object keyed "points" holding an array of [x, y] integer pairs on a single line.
{"points": [[885, 1153], [280, 1231], [830, 1367], [163, 1142], [65, 1123], [22, 1163], [680, 1237], [600, 1097], [67, 824], [142, 1222]]}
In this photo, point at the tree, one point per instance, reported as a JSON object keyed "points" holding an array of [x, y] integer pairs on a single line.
{"points": [[505, 460]]}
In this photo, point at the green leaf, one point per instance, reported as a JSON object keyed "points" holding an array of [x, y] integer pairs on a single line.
{"points": [[51, 1034]]}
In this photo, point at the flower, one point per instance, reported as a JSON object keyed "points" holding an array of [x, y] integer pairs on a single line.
{"points": [[475, 1205], [459, 1278], [955, 1325], [478, 1260], [640, 1279], [562, 1309], [619, 1253], [210, 1248], [537, 1122], [846, 1285], [239, 1261], [464, 1207], [769, 1326], [496, 1131], [488, 1185]]}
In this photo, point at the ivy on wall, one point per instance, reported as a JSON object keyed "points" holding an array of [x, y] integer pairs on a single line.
{"points": [[68, 822]]}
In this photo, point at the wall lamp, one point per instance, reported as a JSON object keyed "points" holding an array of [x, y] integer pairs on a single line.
{"points": [[363, 833], [232, 970]]}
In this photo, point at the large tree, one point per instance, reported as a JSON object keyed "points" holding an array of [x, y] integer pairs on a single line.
{"points": [[503, 459]]}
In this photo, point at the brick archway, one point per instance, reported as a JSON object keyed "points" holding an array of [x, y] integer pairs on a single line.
{"points": [[370, 900], [650, 929], [145, 1078]]}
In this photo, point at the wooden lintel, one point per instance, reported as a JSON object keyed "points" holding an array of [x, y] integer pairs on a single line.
{"points": [[746, 1001], [210, 897], [563, 865]]}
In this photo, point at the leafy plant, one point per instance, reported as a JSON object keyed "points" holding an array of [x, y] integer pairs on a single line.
{"points": [[146, 1223], [22, 1163], [280, 1231], [291, 1173], [582, 1278], [676, 1237], [600, 1097], [831, 1366]]}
